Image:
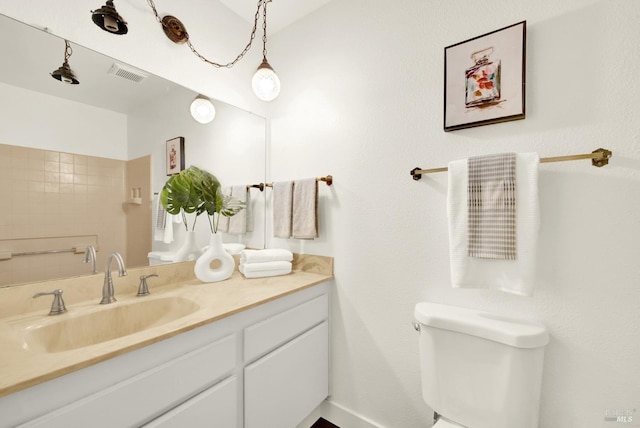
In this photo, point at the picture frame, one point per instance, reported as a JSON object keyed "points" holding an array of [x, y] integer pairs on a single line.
{"points": [[484, 79], [175, 155]]}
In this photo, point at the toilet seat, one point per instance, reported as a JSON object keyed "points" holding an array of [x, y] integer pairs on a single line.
{"points": [[442, 423]]}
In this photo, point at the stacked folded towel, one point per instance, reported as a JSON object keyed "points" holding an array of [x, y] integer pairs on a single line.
{"points": [[262, 263]]}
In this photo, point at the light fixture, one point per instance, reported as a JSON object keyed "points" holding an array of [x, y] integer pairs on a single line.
{"points": [[64, 73], [202, 109], [265, 82], [109, 20]]}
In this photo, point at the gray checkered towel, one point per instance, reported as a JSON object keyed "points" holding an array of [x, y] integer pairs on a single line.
{"points": [[491, 199]]}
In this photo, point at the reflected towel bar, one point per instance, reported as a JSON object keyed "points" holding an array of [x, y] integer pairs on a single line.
{"points": [[256, 186], [328, 179], [599, 158], [35, 253]]}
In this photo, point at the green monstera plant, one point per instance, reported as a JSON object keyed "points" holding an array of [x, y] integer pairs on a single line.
{"points": [[194, 190]]}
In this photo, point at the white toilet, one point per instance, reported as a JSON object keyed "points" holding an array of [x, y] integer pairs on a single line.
{"points": [[480, 370]]}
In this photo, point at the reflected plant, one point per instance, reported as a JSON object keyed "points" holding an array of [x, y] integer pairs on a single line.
{"points": [[195, 191]]}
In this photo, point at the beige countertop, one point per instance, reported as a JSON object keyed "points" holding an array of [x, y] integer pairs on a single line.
{"points": [[22, 366]]}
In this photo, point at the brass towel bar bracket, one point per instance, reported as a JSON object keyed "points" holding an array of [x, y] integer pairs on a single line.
{"points": [[328, 179], [599, 158]]}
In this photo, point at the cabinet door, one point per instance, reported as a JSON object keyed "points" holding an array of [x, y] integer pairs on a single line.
{"points": [[132, 402], [284, 386], [274, 331], [216, 407]]}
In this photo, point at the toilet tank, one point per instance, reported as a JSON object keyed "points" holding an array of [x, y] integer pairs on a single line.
{"points": [[478, 369]]}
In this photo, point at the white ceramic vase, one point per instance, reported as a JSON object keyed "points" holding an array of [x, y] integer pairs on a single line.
{"points": [[225, 266], [189, 249]]}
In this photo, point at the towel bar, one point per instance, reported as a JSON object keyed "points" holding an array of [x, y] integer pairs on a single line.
{"points": [[327, 179], [599, 158], [35, 253], [256, 186]]}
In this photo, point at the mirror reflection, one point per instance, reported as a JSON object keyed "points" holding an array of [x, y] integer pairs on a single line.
{"points": [[82, 164]]}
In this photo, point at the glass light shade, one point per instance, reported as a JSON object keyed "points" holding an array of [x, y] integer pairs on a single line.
{"points": [[265, 82], [202, 110]]}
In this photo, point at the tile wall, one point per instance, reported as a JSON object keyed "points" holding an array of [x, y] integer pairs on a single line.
{"points": [[52, 200]]}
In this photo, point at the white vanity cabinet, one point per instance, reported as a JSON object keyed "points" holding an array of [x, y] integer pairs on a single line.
{"points": [[289, 379], [214, 407], [263, 367]]}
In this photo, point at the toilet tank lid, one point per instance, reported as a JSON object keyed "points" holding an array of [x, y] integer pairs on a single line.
{"points": [[509, 331]]}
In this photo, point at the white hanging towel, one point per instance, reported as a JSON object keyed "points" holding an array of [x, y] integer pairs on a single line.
{"points": [[160, 220], [513, 276], [163, 230], [304, 223], [223, 221], [239, 222], [282, 208]]}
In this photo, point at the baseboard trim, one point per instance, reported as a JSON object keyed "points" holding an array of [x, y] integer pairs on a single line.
{"points": [[338, 415]]}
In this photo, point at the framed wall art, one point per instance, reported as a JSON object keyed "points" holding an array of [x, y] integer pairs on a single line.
{"points": [[175, 155], [484, 79]]}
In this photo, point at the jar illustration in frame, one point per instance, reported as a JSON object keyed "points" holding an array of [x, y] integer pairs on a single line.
{"points": [[482, 80], [172, 157]]}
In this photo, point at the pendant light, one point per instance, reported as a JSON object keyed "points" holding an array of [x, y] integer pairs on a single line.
{"points": [[64, 72], [202, 109], [265, 82], [109, 20]]}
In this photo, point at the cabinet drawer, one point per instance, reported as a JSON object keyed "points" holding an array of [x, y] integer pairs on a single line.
{"points": [[145, 396], [283, 387], [215, 407], [272, 332]]}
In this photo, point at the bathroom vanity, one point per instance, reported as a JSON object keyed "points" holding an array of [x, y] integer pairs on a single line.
{"points": [[252, 353]]}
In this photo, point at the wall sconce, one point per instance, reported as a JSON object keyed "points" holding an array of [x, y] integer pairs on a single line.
{"points": [[64, 73], [202, 109], [265, 82], [108, 19]]}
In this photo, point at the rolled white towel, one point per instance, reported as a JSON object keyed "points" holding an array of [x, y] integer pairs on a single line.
{"points": [[266, 273], [233, 248], [264, 266], [265, 269], [268, 255]]}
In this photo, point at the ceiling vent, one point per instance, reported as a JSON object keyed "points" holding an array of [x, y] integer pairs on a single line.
{"points": [[128, 73]]}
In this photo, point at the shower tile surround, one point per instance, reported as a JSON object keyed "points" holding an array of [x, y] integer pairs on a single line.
{"points": [[55, 194]]}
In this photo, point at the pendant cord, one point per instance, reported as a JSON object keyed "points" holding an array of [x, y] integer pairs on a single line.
{"points": [[67, 51], [230, 64], [264, 30]]}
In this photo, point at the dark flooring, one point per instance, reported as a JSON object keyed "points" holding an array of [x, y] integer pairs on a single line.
{"points": [[323, 423]]}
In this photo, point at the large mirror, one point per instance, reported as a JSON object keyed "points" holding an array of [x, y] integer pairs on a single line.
{"points": [[83, 164]]}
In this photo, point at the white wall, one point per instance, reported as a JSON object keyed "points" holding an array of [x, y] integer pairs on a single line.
{"points": [[362, 100], [32, 119]]}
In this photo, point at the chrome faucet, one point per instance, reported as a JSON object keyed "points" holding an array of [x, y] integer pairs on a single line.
{"points": [[57, 306], [107, 288], [143, 288], [90, 256]]}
